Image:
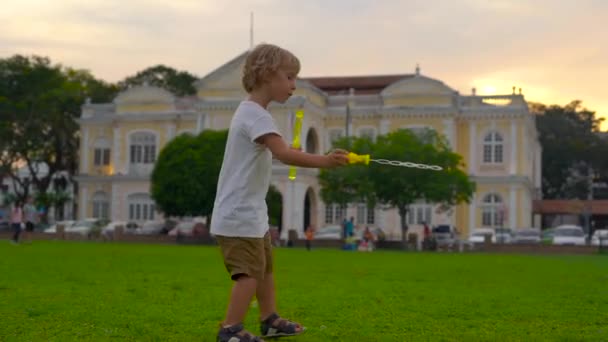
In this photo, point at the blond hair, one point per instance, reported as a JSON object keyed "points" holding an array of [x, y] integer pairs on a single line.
{"points": [[263, 61]]}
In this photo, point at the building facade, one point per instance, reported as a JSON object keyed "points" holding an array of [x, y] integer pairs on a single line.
{"points": [[496, 135]]}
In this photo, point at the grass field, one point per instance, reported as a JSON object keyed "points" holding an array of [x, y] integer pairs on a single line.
{"points": [[66, 291]]}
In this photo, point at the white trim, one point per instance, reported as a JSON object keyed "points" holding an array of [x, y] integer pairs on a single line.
{"points": [[449, 132], [473, 213], [385, 126], [512, 207], [116, 151], [513, 159], [83, 202], [84, 167], [170, 131], [472, 147]]}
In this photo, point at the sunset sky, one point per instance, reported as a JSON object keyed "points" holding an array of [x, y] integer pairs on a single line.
{"points": [[556, 50]]}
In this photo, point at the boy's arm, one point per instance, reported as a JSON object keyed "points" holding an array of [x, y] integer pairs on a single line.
{"points": [[289, 156]]}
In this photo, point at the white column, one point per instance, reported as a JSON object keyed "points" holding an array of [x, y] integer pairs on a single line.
{"points": [[384, 126], [84, 161], [118, 167], [472, 147], [199, 123], [512, 207], [449, 132], [115, 214], [473, 213], [538, 162], [170, 131], [288, 199], [513, 161], [84, 198]]}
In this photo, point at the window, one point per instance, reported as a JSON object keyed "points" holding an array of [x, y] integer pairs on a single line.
{"points": [[368, 133], [101, 205], [102, 157], [101, 152], [141, 207], [365, 215], [492, 214], [334, 213], [493, 148], [143, 148], [420, 213]]}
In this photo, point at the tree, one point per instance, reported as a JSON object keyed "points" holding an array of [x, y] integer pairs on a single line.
{"points": [[571, 149], [399, 187], [180, 83], [39, 102], [184, 179]]}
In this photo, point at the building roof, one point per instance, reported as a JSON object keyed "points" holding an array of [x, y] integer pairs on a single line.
{"points": [[598, 207], [361, 84]]}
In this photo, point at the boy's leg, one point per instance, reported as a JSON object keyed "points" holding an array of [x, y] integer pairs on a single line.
{"points": [[242, 292], [265, 291], [244, 260], [266, 296]]}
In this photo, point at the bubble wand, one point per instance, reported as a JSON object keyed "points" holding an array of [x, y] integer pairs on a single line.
{"points": [[354, 158], [297, 128]]}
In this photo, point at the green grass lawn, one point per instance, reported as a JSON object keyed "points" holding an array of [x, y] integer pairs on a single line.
{"points": [[65, 291]]}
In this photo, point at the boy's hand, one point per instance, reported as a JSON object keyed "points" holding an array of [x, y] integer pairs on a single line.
{"points": [[337, 157]]}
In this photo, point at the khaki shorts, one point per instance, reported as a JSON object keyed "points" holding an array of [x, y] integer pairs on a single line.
{"points": [[246, 256]]}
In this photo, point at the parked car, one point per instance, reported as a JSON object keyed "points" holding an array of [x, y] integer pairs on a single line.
{"points": [[526, 235], [85, 227], [479, 235], [600, 237], [53, 228], [547, 236], [187, 228], [333, 232], [502, 235], [129, 228], [151, 228], [5, 226], [444, 234], [569, 235]]}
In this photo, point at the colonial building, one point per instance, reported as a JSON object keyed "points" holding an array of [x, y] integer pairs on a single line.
{"points": [[496, 135]]}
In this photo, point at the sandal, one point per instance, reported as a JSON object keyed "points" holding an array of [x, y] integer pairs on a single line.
{"points": [[275, 326], [235, 333]]}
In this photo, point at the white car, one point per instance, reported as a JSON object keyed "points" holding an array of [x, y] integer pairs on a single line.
{"points": [[479, 235], [600, 234], [128, 227], [502, 235], [569, 235], [53, 229], [526, 235], [83, 227], [329, 233], [151, 228]]}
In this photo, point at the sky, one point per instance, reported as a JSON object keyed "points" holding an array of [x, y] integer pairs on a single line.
{"points": [[555, 50]]}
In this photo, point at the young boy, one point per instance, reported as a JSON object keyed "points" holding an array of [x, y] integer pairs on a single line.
{"points": [[240, 216]]}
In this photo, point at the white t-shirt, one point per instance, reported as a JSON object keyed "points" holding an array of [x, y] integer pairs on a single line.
{"points": [[240, 203]]}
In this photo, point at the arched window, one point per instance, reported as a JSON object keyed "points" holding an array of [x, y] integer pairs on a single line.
{"points": [[493, 147], [492, 211], [101, 205], [312, 142]]}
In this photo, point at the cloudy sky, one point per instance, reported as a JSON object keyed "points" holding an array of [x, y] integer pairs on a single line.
{"points": [[556, 50]]}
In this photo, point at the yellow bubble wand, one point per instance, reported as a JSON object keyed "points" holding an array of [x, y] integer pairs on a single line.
{"points": [[354, 158], [297, 128]]}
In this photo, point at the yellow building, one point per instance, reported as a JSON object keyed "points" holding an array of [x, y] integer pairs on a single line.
{"points": [[496, 135]]}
